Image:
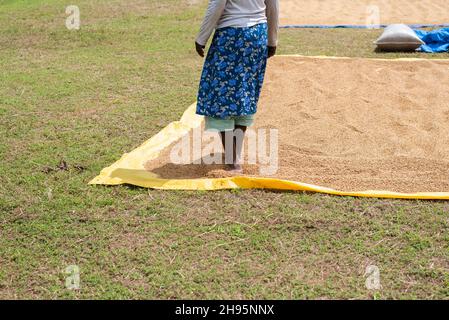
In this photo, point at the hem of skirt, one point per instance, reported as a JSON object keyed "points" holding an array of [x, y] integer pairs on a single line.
{"points": [[225, 117]]}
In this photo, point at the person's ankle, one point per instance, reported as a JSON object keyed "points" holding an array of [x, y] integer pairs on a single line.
{"points": [[237, 167]]}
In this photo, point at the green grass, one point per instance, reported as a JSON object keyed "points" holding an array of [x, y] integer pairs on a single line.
{"points": [[85, 97]]}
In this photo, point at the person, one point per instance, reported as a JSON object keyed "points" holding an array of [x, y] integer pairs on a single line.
{"points": [[233, 73]]}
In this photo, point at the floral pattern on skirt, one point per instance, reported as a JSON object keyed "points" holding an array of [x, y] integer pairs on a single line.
{"points": [[233, 72]]}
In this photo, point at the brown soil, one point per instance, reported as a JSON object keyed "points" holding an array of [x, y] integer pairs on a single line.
{"points": [[355, 11], [351, 124]]}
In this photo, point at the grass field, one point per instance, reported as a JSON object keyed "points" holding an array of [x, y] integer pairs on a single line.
{"points": [[72, 102]]}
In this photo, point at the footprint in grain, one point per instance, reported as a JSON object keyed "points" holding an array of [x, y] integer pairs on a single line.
{"points": [[307, 116], [353, 128]]}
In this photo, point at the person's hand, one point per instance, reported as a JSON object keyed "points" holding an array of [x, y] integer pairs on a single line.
{"points": [[200, 49], [271, 51]]}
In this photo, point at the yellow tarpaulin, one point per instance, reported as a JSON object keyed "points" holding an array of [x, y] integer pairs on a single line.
{"points": [[130, 170]]}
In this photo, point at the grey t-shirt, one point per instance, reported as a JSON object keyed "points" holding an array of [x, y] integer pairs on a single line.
{"points": [[240, 14]]}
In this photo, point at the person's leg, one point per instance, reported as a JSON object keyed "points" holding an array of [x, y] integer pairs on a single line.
{"points": [[224, 127], [232, 135], [227, 140], [239, 137], [241, 125]]}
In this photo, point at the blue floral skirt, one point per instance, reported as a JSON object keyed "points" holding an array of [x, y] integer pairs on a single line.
{"points": [[233, 72]]}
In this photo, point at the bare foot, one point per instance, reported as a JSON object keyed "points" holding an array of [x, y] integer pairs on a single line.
{"points": [[236, 168]]}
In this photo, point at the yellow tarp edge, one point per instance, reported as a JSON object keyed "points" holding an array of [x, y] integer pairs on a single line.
{"points": [[130, 168]]}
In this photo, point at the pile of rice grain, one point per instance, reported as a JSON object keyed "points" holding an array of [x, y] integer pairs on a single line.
{"points": [[351, 124], [356, 12]]}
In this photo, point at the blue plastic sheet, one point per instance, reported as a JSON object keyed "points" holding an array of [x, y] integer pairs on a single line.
{"points": [[437, 41]]}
